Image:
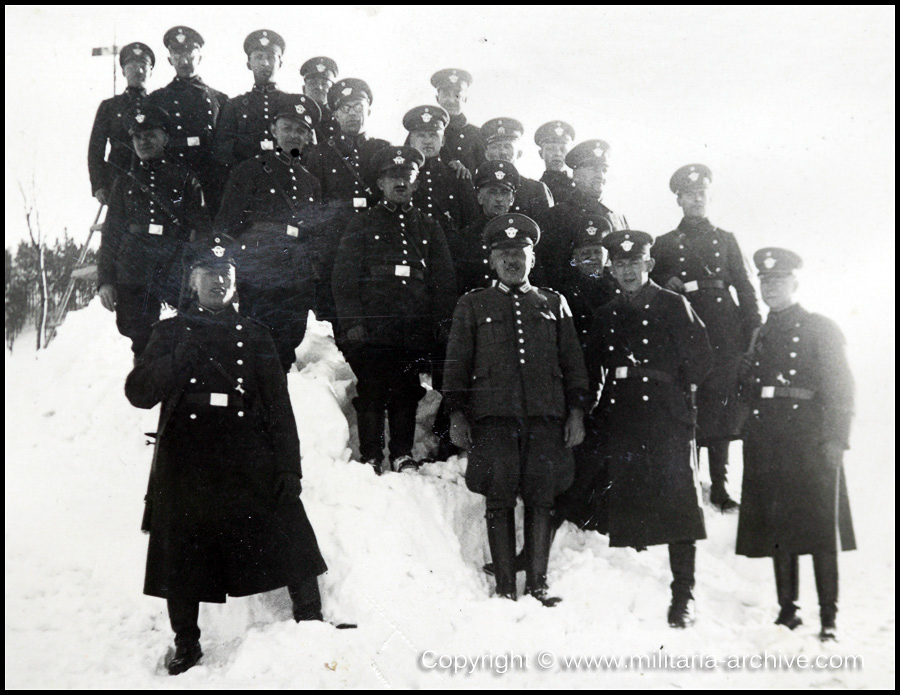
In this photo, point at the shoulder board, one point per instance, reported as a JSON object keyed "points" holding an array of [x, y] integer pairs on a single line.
{"points": [[476, 290]]}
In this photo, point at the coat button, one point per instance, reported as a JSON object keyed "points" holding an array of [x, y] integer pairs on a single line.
{"points": [[193, 416], [646, 398], [239, 327], [239, 344], [193, 381], [240, 380], [240, 413], [240, 362]]}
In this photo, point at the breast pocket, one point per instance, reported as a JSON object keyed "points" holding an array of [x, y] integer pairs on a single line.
{"points": [[492, 330]]}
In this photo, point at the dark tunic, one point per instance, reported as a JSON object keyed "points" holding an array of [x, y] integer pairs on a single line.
{"points": [[111, 125], [709, 261], [560, 184], [471, 256], [646, 352], [533, 198], [445, 197], [243, 130], [463, 141], [800, 391], [226, 431]]}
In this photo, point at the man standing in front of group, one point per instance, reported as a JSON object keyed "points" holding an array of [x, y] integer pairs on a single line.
{"points": [[794, 497], [704, 263], [516, 388], [649, 349], [394, 291]]}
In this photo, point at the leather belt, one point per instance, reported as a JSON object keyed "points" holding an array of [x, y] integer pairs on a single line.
{"points": [[221, 400], [401, 271], [276, 228], [695, 285], [154, 229], [642, 372], [786, 392], [189, 141]]}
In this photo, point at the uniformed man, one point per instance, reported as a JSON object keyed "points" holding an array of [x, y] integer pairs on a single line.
{"points": [[243, 130], [800, 390], [516, 388], [223, 506], [704, 263], [272, 207], [592, 284], [440, 193], [584, 208], [193, 107], [503, 138], [319, 74], [342, 163], [462, 140], [114, 118], [394, 290], [154, 208], [648, 348], [554, 140]]}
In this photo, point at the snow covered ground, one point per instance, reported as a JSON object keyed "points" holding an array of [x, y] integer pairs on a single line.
{"points": [[404, 554]]}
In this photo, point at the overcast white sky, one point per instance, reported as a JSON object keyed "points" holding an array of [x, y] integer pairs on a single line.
{"points": [[793, 108]]}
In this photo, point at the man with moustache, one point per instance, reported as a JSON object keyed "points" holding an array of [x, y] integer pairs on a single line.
{"points": [[705, 264], [800, 391], [502, 138], [516, 389], [193, 107], [114, 118], [394, 291], [584, 208], [154, 209], [319, 74], [649, 350], [463, 147], [272, 207], [243, 130], [554, 140]]}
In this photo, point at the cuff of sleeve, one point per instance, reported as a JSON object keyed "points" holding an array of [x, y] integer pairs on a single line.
{"points": [[578, 398]]}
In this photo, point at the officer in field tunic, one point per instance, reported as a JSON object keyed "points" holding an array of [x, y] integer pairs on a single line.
{"points": [[319, 74], [272, 207], [243, 130], [223, 506], [441, 194], [463, 147], [584, 207], [154, 208], [114, 119], [554, 140], [194, 108], [342, 163], [800, 390], [394, 290], [648, 347], [516, 388], [703, 262], [503, 137]]}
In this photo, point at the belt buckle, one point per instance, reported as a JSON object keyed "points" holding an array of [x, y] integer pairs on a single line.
{"points": [[767, 392], [691, 286], [292, 231], [219, 399], [360, 203], [621, 372], [155, 229], [401, 271], [193, 141], [266, 145]]}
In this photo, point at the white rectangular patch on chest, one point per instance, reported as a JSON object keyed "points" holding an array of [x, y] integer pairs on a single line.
{"points": [[767, 392], [219, 399], [292, 231], [266, 145], [155, 229], [193, 141], [691, 286], [359, 202], [401, 271], [621, 372]]}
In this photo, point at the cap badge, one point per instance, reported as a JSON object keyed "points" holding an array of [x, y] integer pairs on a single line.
{"points": [[137, 51], [627, 246], [511, 232], [347, 91], [591, 230], [426, 117], [769, 263], [454, 78], [399, 160], [140, 118], [501, 130], [219, 251], [320, 67], [180, 37], [264, 41], [500, 175], [598, 152], [693, 176], [300, 108], [558, 131]]}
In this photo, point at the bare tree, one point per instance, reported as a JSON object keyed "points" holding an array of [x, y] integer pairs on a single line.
{"points": [[33, 220]]}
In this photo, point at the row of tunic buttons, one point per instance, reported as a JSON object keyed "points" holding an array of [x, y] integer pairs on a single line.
{"points": [[240, 379], [521, 332]]}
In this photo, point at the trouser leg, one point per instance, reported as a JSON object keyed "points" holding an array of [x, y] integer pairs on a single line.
{"points": [[682, 559], [306, 601], [826, 569], [137, 309], [183, 616], [402, 428], [787, 580], [717, 450], [501, 528]]}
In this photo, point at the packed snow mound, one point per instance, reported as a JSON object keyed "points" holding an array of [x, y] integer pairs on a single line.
{"points": [[404, 553]]}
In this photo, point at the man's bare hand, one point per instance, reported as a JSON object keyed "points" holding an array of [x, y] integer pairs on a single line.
{"points": [[460, 169], [460, 432], [101, 195], [675, 285], [574, 428], [108, 297]]}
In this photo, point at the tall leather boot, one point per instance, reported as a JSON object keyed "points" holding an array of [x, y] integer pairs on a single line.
{"points": [[370, 427], [682, 557], [826, 568], [501, 528], [787, 585], [717, 451], [538, 536], [556, 521], [183, 615], [306, 601], [402, 428]]}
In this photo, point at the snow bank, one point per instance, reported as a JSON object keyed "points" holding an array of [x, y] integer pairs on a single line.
{"points": [[404, 553]]}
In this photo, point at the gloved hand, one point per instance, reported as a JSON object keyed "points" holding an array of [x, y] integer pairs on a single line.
{"points": [[287, 487], [675, 284], [107, 297]]}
